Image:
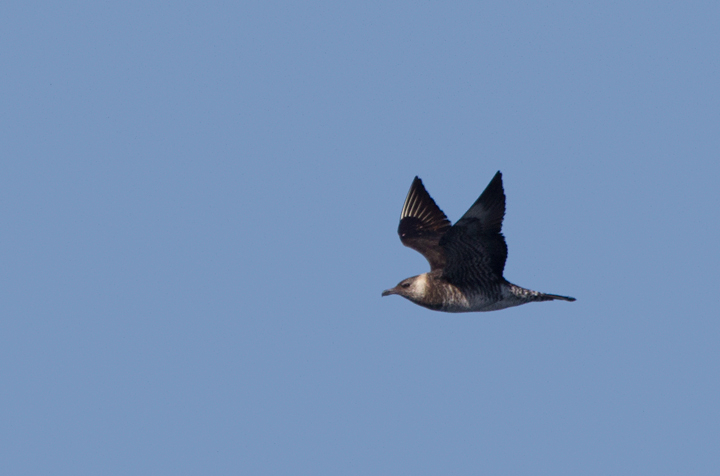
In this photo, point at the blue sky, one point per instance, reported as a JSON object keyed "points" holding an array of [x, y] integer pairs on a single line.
{"points": [[200, 204]]}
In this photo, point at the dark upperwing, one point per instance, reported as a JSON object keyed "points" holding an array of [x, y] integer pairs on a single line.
{"points": [[423, 224], [475, 247]]}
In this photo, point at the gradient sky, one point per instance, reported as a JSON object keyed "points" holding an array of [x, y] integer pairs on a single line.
{"points": [[199, 206]]}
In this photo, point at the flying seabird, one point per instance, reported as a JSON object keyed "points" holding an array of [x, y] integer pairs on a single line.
{"points": [[466, 259]]}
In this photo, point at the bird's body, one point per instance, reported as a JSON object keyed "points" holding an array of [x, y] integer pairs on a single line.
{"points": [[466, 259]]}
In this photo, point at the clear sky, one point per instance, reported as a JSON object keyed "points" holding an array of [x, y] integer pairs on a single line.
{"points": [[199, 204]]}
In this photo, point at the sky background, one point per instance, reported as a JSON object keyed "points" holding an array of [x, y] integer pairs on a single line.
{"points": [[199, 204]]}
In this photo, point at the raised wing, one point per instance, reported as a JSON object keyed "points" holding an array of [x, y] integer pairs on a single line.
{"points": [[489, 208], [423, 224], [475, 247]]}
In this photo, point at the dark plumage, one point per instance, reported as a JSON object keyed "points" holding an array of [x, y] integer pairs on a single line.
{"points": [[466, 259]]}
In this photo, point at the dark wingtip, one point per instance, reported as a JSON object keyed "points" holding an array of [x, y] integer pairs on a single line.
{"points": [[489, 208], [496, 178]]}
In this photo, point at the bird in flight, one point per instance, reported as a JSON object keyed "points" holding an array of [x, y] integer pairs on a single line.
{"points": [[466, 259]]}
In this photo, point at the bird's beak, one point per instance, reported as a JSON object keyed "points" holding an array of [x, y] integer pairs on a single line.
{"points": [[388, 292]]}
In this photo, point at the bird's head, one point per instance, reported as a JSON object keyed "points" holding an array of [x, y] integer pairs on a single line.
{"points": [[413, 288]]}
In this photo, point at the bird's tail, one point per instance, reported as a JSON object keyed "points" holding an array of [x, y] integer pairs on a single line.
{"points": [[529, 295], [552, 297]]}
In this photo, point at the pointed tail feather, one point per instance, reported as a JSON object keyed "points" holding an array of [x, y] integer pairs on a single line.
{"points": [[552, 297], [528, 295]]}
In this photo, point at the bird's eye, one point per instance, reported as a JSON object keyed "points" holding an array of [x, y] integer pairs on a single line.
{"points": [[405, 285]]}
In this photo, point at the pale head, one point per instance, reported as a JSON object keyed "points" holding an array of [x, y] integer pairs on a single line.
{"points": [[413, 288]]}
